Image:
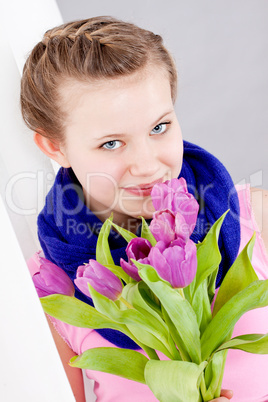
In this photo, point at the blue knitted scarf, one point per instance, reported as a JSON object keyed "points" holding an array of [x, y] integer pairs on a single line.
{"points": [[68, 230]]}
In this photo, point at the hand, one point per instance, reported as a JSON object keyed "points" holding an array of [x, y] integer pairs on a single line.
{"points": [[226, 395]]}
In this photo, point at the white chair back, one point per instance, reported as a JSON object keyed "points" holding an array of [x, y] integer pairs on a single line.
{"points": [[30, 368]]}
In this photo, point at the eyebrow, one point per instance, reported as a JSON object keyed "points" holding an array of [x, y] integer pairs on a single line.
{"points": [[123, 135], [160, 118], [109, 136]]}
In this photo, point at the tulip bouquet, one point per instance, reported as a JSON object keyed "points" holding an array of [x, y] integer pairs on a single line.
{"points": [[164, 299]]}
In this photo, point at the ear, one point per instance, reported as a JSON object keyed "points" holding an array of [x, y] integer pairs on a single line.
{"points": [[52, 149]]}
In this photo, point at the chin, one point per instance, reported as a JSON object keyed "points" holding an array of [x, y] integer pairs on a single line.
{"points": [[146, 214], [136, 210]]}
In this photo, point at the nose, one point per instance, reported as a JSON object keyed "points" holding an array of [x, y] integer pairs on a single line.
{"points": [[144, 161]]}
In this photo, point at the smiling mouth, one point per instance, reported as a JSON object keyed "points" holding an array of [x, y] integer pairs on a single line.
{"points": [[142, 189]]}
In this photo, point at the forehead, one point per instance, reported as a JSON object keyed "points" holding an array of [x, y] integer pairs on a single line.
{"points": [[108, 99], [72, 90]]}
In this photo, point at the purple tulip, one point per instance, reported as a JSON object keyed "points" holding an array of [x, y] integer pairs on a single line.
{"points": [[162, 193], [51, 279], [163, 226], [167, 227], [137, 249], [100, 278], [173, 195], [176, 264], [187, 206]]}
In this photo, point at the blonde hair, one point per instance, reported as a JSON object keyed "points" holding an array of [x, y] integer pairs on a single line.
{"points": [[91, 49]]}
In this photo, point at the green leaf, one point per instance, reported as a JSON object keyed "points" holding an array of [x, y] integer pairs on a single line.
{"points": [[178, 309], [150, 298], [213, 376], [172, 381], [253, 296], [143, 327], [103, 253], [75, 312], [208, 261], [175, 336], [224, 356], [126, 234], [150, 338], [201, 306], [79, 314], [121, 362], [146, 233], [211, 285], [134, 293], [251, 343], [208, 253], [239, 276]]}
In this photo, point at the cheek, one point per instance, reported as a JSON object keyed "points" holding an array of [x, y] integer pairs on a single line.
{"points": [[101, 177], [173, 153], [101, 185], [101, 168]]}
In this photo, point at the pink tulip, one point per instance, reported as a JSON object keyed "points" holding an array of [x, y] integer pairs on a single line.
{"points": [[174, 195], [167, 227], [100, 278], [176, 264], [137, 249], [51, 279]]}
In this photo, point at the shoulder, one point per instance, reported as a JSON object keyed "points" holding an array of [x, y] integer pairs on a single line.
{"points": [[259, 202]]}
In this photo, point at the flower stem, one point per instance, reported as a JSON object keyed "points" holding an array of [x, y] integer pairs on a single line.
{"points": [[151, 353], [222, 371], [181, 292], [126, 303], [203, 386]]}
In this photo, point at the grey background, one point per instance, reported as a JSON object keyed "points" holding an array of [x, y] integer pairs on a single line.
{"points": [[221, 51]]}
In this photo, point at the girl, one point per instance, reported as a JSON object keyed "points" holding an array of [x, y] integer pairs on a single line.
{"points": [[99, 95]]}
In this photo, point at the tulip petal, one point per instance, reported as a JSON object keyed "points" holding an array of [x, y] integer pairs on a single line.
{"points": [[174, 257], [163, 226], [100, 278], [80, 281], [51, 279], [41, 288], [174, 195], [161, 246], [158, 261], [159, 192], [130, 269], [182, 230], [138, 248], [179, 185], [55, 278]]}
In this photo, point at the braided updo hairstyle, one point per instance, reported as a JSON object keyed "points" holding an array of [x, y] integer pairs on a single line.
{"points": [[86, 50]]}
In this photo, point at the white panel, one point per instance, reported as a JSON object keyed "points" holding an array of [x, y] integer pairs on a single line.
{"points": [[23, 168], [30, 369], [25, 23]]}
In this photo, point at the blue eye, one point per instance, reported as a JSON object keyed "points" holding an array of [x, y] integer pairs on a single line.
{"points": [[160, 128], [112, 144]]}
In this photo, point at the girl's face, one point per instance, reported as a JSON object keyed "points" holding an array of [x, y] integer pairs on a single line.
{"points": [[121, 137]]}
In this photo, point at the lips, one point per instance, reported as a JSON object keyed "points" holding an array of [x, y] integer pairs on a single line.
{"points": [[142, 190]]}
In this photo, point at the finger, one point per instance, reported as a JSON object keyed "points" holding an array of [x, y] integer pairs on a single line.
{"points": [[227, 393]]}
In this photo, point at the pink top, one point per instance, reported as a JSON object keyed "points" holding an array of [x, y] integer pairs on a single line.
{"points": [[246, 374]]}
